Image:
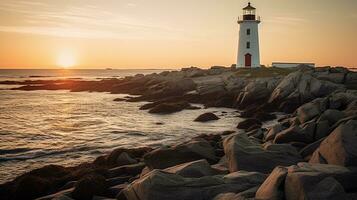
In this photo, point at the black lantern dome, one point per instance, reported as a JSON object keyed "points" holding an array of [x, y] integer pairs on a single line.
{"points": [[249, 12]]}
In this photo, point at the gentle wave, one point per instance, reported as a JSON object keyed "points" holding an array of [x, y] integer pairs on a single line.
{"points": [[13, 151], [43, 153], [59, 127]]}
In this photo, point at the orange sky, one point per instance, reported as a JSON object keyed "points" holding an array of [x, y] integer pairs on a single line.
{"points": [[171, 33]]}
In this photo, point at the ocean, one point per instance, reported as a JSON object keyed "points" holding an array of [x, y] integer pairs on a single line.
{"points": [[65, 128]]}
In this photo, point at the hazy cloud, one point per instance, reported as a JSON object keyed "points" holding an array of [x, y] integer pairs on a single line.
{"points": [[285, 20], [84, 21], [131, 4]]}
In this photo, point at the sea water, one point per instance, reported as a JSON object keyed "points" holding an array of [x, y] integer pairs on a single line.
{"points": [[65, 128]]}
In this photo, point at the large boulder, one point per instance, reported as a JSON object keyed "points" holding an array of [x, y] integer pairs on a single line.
{"points": [[351, 79], [322, 129], [64, 195], [332, 116], [193, 72], [341, 100], [329, 188], [233, 83], [165, 157], [310, 110], [245, 195], [308, 150], [126, 170], [112, 159], [332, 77], [169, 86], [206, 117], [210, 85], [217, 70], [292, 134], [125, 159], [308, 181], [256, 92], [318, 181], [299, 87], [31, 187], [247, 123], [89, 186], [264, 116], [160, 185], [273, 186], [273, 131], [245, 154], [195, 169], [287, 148], [339, 148], [36, 183]]}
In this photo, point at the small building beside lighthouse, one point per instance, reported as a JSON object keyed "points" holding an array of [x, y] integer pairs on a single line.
{"points": [[248, 47]]}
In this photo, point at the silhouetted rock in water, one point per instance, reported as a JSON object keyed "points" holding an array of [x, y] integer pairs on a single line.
{"points": [[186, 152], [89, 186], [247, 123], [243, 153], [167, 108], [206, 117], [162, 185], [339, 148], [119, 99]]}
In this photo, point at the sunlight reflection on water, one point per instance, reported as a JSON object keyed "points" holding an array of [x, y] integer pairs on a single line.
{"points": [[59, 127]]}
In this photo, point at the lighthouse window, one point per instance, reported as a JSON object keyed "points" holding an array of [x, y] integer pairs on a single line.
{"points": [[248, 31], [248, 45]]}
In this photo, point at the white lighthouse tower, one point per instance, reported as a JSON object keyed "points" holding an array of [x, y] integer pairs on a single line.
{"points": [[248, 48]]}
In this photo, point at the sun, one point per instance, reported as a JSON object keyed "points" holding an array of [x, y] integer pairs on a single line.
{"points": [[66, 60]]}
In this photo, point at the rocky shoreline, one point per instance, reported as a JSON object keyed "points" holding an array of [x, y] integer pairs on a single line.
{"points": [[311, 153]]}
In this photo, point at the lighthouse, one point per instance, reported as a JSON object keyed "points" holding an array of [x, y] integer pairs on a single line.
{"points": [[248, 47]]}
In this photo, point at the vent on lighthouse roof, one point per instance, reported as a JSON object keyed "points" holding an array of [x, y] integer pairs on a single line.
{"points": [[249, 7]]}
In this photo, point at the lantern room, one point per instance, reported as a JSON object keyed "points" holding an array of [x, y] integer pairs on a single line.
{"points": [[249, 12]]}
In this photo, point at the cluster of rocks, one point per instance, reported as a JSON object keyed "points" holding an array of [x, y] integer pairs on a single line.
{"points": [[309, 153]]}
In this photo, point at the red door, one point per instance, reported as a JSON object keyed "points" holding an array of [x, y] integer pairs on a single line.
{"points": [[248, 60]]}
